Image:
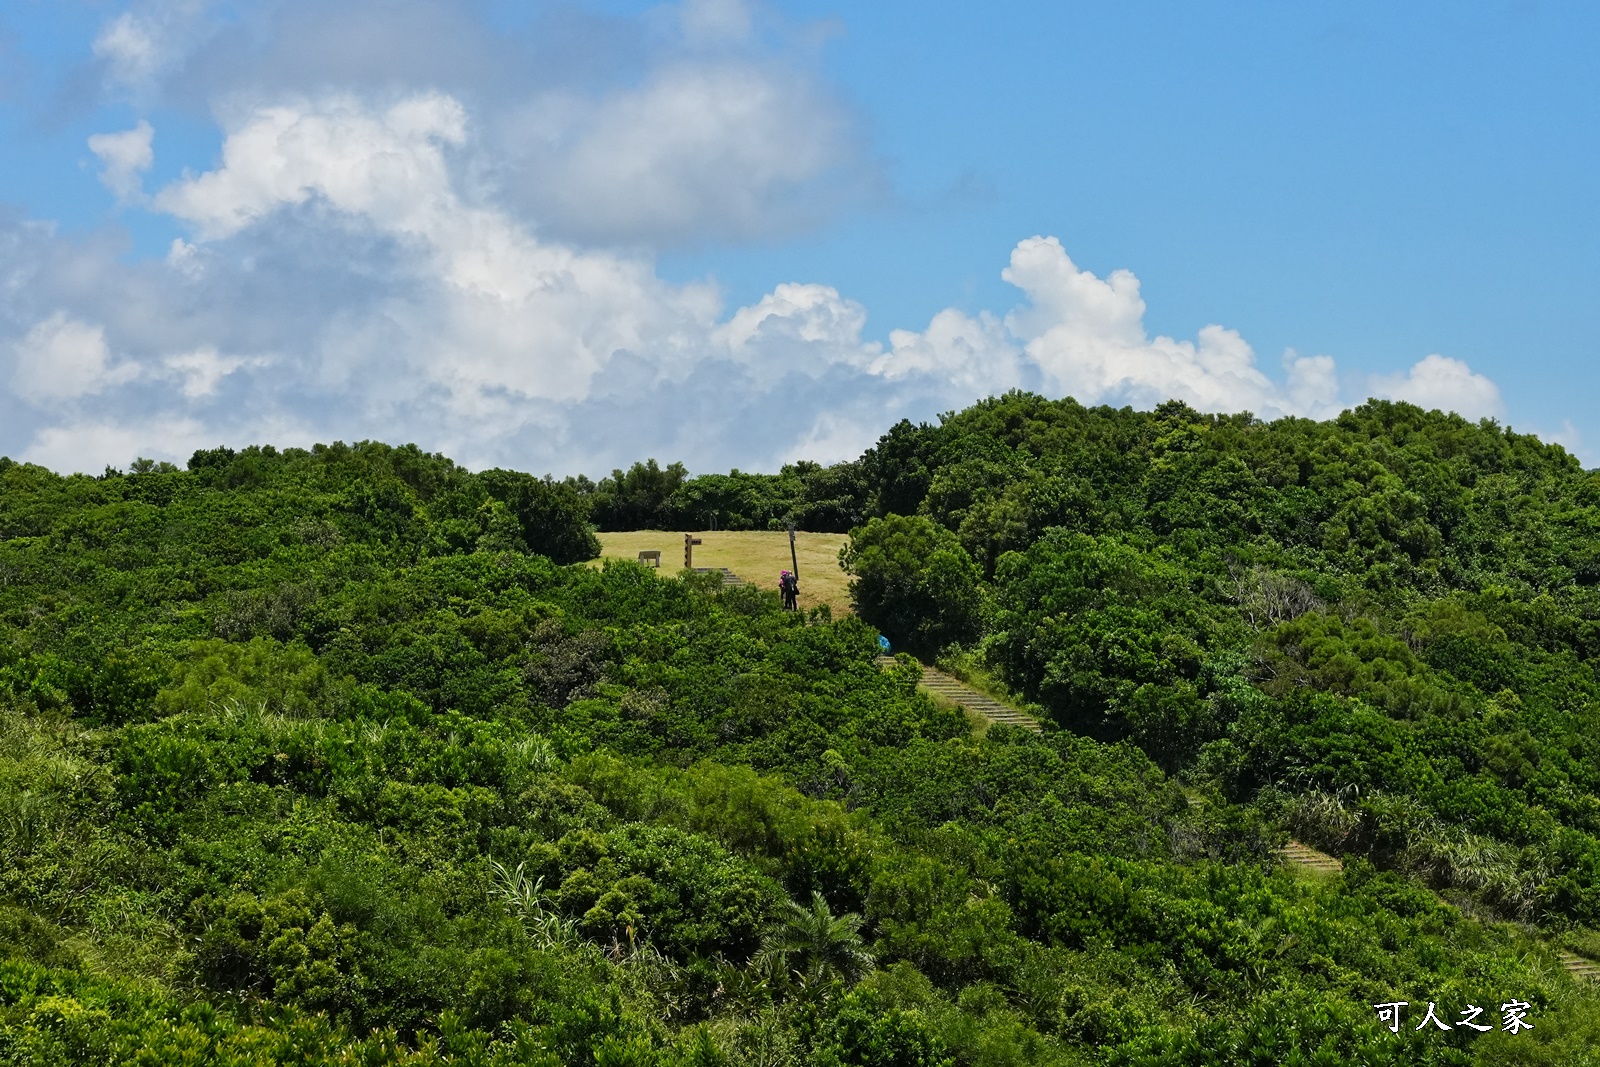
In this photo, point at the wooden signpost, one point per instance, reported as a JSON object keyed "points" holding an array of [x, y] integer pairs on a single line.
{"points": [[794, 561], [689, 541]]}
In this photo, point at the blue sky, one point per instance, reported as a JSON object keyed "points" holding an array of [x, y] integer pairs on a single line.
{"points": [[560, 237]]}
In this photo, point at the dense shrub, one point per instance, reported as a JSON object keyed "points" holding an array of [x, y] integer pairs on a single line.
{"points": [[327, 756], [914, 581]]}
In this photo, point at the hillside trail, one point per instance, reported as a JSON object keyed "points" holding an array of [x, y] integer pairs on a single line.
{"points": [[963, 695], [1303, 856], [933, 680], [1580, 967], [1294, 853]]}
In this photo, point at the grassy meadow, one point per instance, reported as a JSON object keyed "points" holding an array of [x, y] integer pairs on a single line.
{"points": [[754, 555]]}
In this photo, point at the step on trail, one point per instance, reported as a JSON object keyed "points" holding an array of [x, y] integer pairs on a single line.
{"points": [[958, 692], [1306, 856], [1580, 967], [729, 579]]}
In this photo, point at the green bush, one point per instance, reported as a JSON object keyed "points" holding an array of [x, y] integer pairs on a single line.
{"points": [[913, 581], [317, 756]]}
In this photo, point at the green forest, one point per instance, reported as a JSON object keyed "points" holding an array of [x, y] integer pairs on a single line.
{"points": [[354, 756]]}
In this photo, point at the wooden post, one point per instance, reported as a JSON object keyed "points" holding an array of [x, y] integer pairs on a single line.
{"points": [[689, 541], [794, 560]]}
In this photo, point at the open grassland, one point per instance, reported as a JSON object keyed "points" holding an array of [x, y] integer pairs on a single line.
{"points": [[754, 555]]}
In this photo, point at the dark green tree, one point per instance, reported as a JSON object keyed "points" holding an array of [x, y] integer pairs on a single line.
{"points": [[551, 518], [635, 499], [914, 581]]}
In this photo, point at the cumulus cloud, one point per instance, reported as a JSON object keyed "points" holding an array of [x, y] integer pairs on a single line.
{"points": [[93, 444], [62, 359], [684, 128], [421, 315], [386, 165], [1087, 335], [496, 313], [701, 150], [973, 355], [513, 298], [803, 329], [1441, 382], [1312, 387], [124, 157]]}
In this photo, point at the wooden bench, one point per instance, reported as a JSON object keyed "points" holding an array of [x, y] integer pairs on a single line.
{"points": [[651, 556]]}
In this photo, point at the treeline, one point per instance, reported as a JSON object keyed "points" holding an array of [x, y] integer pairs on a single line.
{"points": [[648, 496], [327, 757]]}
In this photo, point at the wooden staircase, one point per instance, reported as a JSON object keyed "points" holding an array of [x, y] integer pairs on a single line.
{"points": [[729, 579], [1580, 967], [1294, 853], [960, 693], [1306, 856]]}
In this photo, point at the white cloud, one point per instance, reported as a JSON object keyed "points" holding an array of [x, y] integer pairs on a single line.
{"points": [[1313, 385], [62, 359], [124, 157], [398, 306], [388, 165], [145, 43], [725, 150], [201, 371], [1087, 335], [91, 445], [974, 355], [185, 258], [596, 128], [1062, 297], [504, 312], [128, 45], [797, 329], [1447, 384], [499, 348], [833, 437]]}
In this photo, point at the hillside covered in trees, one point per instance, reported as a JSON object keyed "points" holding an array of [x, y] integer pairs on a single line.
{"points": [[341, 757]]}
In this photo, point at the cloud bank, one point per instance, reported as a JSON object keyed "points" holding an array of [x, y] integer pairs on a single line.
{"points": [[470, 264]]}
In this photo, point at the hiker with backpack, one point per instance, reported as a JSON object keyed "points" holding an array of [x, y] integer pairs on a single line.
{"points": [[789, 586]]}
